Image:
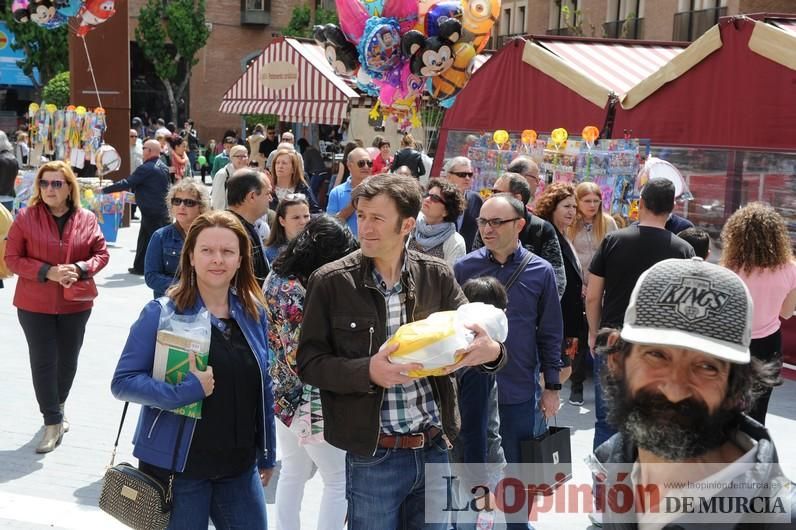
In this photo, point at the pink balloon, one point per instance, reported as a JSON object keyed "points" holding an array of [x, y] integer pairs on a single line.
{"points": [[352, 15], [403, 10]]}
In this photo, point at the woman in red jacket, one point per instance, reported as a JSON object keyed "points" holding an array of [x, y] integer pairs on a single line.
{"points": [[36, 251]]}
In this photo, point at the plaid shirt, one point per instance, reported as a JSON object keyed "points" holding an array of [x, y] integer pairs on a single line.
{"points": [[408, 408]]}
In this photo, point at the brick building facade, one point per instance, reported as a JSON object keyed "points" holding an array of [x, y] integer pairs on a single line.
{"points": [[222, 61]]}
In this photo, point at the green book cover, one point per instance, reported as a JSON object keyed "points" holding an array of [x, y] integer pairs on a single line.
{"points": [[171, 364]]}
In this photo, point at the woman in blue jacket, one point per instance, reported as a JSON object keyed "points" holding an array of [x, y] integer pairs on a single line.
{"points": [[186, 200], [222, 461]]}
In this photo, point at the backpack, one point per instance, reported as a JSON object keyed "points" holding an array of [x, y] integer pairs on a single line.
{"points": [[6, 220]]}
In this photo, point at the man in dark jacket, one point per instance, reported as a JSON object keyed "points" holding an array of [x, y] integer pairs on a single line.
{"points": [[409, 156], [150, 183], [459, 172], [248, 195], [678, 383], [389, 423]]}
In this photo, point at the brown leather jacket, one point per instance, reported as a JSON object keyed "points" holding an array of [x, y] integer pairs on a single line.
{"points": [[344, 324]]}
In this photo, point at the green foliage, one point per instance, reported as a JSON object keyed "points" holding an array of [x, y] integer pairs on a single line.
{"points": [[57, 90], [45, 49], [266, 119], [181, 25], [300, 24]]}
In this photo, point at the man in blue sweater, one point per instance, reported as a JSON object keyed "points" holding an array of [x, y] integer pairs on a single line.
{"points": [[150, 183], [535, 324]]}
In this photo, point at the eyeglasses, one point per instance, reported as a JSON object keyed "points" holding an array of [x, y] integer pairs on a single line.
{"points": [[363, 163], [462, 174], [435, 198], [494, 223], [54, 184], [295, 197], [189, 203], [240, 156]]}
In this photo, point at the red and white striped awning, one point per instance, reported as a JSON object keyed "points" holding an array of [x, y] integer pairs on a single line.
{"points": [[618, 66], [294, 81]]}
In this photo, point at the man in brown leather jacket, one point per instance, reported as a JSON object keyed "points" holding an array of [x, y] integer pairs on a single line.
{"points": [[390, 424]]}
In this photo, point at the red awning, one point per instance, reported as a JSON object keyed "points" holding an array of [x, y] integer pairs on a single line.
{"points": [[293, 80]]}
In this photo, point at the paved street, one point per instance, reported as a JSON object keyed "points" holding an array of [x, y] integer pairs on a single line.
{"points": [[60, 490]]}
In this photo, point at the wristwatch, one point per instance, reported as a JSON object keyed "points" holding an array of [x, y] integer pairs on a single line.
{"points": [[552, 386]]}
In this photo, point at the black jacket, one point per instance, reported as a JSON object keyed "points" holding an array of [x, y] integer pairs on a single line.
{"points": [[150, 183], [307, 192], [572, 308], [469, 226], [410, 158], [344, 324]]}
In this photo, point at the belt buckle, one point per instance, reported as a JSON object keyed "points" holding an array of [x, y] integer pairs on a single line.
{"points": [[418, 441]]}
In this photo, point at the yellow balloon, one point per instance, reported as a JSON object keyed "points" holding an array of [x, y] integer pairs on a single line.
{"points": [[500, 137], [50, 107], [81, 110], [33, 108], [88, 194], [559, 136]]}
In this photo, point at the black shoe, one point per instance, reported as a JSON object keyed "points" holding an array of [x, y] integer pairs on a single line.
{"points": [[134, 217], [576, 398], [135, 272]]}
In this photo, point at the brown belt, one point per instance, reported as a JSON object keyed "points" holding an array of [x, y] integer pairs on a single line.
{"points": [[409, 441]]}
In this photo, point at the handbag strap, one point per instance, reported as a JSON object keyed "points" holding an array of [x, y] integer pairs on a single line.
{"points": [[518, 270]]}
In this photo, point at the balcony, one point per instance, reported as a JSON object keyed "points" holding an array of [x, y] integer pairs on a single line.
{"points": [[631, 28], [255, 12], [690, 25], [560, 31]]}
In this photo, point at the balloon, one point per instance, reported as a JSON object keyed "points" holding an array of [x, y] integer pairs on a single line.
{"points": [[528, 136], [373, 7], [478, 17], [407, 87], [341, 54], [201, 160], [352, 15], [50, 108], [403, 11], [500, 138], [20, 10], [33, 108], [44, 13], [656, 168], [590, 134], [68, 8], [380, 47], [94, 13], [559, 136], [434, 55], [107, 160], [81, 110], [365, 83], [438, 13], [450, 82]]}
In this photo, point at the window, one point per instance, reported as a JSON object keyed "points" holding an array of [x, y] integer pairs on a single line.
{"points": [[521, 20], [255, 5], [695, 17], [563, 14], [624, 18], [506, 24]]}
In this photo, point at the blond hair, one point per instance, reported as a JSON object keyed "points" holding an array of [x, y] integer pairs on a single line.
{"points": [[297, 175], [192, 187], [73, 199], [601, 219]]}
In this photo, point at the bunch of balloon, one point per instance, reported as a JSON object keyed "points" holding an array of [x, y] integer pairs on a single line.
{"points": [[590, 134], [52, 14]]}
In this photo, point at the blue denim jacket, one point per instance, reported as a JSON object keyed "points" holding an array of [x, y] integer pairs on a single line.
{"points": [[162, 259], [157, 430]]}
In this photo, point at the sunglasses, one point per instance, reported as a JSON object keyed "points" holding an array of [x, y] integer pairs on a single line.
{"points": [[494, 223], [54, 184], [462, 174], [534, 177], [363, 163], [295, 197], [435, 198], [189, 203], [495, 191]]}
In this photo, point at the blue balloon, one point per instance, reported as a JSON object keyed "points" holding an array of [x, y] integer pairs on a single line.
{"points": [[69, 8], [373, 7]]}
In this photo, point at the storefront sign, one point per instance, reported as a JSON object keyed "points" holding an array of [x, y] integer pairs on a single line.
{"points": [[278, 75]]}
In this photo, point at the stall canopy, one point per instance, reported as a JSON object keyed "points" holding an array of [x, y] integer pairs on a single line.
{"points": [[739, 95], [293, 80]]}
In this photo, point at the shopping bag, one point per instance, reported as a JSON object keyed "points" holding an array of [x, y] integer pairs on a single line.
{"points": [[551, 456]]}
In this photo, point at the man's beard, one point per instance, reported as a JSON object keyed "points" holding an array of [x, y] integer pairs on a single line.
{"points": [[673, 431]]}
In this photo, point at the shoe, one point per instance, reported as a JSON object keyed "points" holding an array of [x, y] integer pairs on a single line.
{"points": [[64, 421], [576, 398], [131, 270], [53, 434]]}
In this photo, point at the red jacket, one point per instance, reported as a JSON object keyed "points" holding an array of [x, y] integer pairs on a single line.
{"points": [[33, 242]]}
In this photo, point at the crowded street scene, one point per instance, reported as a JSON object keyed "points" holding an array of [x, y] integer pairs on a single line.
{"points": [[398, 264]]}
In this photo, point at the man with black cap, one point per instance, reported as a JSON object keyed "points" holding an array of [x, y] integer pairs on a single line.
{"points": [[678, 382]]}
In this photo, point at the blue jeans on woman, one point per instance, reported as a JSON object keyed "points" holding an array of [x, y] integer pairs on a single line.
{"points": [[388, 491], [602, 430], [232, 503]]}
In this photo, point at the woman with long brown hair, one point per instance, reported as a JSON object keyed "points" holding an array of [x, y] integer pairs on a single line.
{"points": [[591, 224], [53, 244], [288, 178], [220, 462], [757, 247]]}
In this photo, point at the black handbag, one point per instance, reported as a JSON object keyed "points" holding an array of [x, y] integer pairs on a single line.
{"points": [[551, 456], [133, 497]]}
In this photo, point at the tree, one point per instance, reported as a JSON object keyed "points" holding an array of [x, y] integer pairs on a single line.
{"points": [[301, 22], [170, 40], [57, 90], [45, 49]]}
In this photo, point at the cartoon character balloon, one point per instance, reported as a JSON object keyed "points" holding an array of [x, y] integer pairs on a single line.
{"points": [[341, 54], [380, 47], [20, 9], [45, 14], [93, 13], [450, 82], [433, 55], [478, 17]]}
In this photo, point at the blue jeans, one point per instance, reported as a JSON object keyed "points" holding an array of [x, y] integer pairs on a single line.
{"points": [[387, 491], [236, 502], [602, 431]]}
